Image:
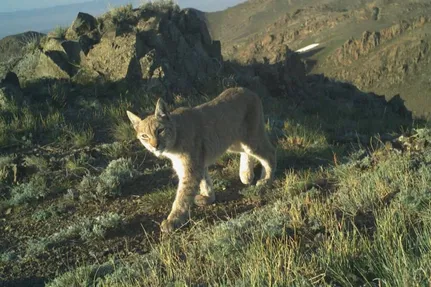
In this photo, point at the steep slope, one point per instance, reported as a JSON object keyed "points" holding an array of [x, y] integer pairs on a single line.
{"points": [[259, 30]]}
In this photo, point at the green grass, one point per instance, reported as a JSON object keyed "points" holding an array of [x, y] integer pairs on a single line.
{"points": [[345, 210], [30, 191], [31, 43], [39, 163], [159, 5], [78, 164], [7, 165], [371, 226], [82, 138], [326, 220], [59, 33], [109, 182], [121, 14], [86, 229]]}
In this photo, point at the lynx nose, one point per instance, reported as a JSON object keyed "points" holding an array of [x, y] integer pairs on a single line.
{"points": [[154, 143]]}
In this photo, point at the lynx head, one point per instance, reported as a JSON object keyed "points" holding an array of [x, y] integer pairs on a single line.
{"points": [[156, 132]]}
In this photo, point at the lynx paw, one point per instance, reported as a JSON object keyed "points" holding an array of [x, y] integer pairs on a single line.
{"points": [[246, 177], [202, 200], [264, 182], [169, 226]]}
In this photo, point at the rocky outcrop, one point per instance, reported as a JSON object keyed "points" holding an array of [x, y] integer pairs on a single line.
{"points": [[84, 30], [38, 64], [165, 52], [10, 91], [170, 52], [353, 49]]}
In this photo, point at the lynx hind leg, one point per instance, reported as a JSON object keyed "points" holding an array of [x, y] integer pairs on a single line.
{"points": [[246, 168], [265, 153], [206, 195]]}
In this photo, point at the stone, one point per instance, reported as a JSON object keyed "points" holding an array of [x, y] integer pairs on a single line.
{"points": [[84, 23], [9, 78], [73, 51]]}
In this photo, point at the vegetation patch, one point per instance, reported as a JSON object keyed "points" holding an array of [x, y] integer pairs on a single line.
{"points": [[85, 229], [354, 234], [109, 182]]}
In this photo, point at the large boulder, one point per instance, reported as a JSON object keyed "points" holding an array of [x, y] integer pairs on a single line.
{"points": [[84, 30], [74, 52], [113, 56], [83, 24], [39, 64]]}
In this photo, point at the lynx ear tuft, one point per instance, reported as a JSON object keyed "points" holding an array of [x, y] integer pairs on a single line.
{"points": [[161, 110], [134, 119]]}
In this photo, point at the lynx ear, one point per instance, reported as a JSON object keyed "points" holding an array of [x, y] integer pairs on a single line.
{"points": [[134, 119], [161, 110]]}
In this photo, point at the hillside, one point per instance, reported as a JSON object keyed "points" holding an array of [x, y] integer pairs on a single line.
{"points": [[379, 46], [81, 200]]}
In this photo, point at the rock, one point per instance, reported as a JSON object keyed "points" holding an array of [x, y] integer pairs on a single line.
{"points": [[215, 50], [148, 64], [84, 29], [10, 91], [163, 52], [85, 77], [9, 97], [375, 13], [83, 24], [87, 41], [9, 78], [37, 65], [192, 22], [113, 56], [60, 60], [73, 51], [398, 106]]}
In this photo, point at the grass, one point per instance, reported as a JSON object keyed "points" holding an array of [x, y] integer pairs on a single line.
{"points": [[159, 5], [81, 205], [109, 182], [83, 137], [121, 14], [318, 225], [58, 93], [59, 33], [78, 164], [31, 191], [39, 163], [31, 42], [86, 229], [7, 166], [351, 234]]}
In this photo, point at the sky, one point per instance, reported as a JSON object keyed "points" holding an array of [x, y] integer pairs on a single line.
{"points": [[16, 5]]}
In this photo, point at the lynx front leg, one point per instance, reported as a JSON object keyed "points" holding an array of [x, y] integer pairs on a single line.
{"points": [[186, 192], [206, 195]]}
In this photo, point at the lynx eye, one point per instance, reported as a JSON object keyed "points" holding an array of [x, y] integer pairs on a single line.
{"points": [[144, 137], [160, 131]]}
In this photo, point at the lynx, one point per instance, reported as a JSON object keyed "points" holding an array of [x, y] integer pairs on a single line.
{"points": [[193, 139]]}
